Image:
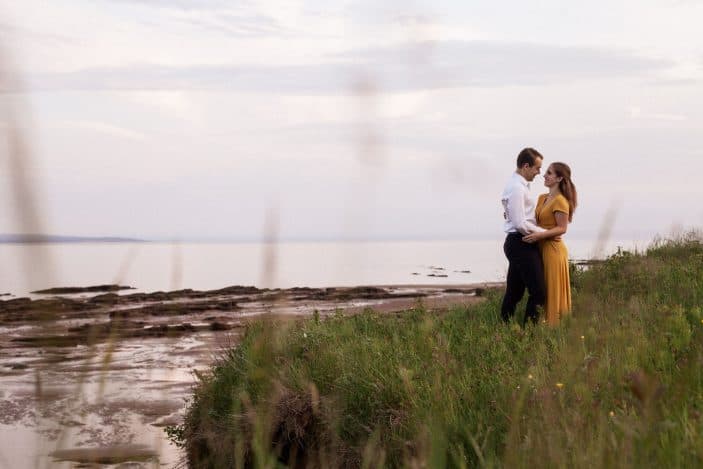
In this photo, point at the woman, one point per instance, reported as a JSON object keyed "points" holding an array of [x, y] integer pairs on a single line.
{"points": [[554, 212]]}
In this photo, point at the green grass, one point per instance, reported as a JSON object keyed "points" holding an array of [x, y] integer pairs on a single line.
{"points": [[618, 384]]}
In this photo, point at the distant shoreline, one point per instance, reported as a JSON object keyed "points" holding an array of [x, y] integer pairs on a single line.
{"points": [[46, 239]]}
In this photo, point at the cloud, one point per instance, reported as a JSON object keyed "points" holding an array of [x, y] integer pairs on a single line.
{"points": [[236, 20], [636, 113], [509, 63], [10, 31], [104, 128], [402, 68], [182, 4], [238, 24], [679, 82]]}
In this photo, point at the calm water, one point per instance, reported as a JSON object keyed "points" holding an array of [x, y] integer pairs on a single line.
{"points": [[166, 266]]}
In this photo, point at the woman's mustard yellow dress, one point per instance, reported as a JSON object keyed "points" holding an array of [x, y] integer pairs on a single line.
{"points": [[556, 260]]}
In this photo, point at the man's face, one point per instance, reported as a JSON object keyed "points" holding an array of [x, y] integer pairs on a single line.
{"points": [[532, 171]]}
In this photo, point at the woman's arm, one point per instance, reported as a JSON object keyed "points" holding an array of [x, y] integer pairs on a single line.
{"points": [[562, 220]]}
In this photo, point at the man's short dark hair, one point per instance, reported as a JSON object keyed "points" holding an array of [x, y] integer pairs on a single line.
{"points": [[529, 156]]}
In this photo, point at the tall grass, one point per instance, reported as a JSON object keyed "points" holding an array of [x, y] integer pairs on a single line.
{"points": [[618, 384]]}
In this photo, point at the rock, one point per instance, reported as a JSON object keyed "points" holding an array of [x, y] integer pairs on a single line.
{"points": [[106, 454], [219, 326], [107, 298], [237, 290], [93, 289]]}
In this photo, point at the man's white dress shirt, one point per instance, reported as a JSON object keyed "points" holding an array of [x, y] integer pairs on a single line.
{"points": [[519, 206]]}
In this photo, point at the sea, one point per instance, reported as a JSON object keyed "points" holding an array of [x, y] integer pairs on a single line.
{"points": [[167, 266]]}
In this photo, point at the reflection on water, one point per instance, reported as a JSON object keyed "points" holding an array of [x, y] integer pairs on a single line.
{"points": [[85, 403]]}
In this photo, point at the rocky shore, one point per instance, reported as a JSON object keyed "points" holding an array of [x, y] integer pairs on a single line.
{"points": [[93, 314]]}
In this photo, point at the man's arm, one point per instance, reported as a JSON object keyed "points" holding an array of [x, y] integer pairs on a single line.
{"points": [[515, 209], [562, 219]]}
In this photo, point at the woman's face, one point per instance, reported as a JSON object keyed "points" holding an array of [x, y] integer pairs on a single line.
{"points": [[550, 177]]}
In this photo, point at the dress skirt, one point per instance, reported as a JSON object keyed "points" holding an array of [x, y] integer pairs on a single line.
{"points": [[556, 275]]}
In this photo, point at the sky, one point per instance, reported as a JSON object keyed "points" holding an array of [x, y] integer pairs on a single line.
{"points": [[356, 119]]}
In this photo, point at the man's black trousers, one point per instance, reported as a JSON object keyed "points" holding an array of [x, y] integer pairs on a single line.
{"points": [[525, 270]]}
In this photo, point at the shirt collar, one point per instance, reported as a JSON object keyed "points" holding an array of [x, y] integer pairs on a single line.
{"points": [[522, 180]]}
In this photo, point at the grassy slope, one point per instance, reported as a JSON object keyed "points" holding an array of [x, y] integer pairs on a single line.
{"points": [[618, 384]]}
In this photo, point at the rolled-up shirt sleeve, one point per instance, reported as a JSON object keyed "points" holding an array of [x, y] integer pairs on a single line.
{"points": [[515, 211]]}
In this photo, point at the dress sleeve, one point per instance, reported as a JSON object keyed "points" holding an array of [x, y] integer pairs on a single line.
{"points": [[561, 205]]}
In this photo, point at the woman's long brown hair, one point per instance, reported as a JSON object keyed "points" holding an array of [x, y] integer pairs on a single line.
{"points": [[566, 185]]}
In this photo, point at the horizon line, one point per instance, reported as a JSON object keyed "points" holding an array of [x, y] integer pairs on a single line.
{"points": [[36, 238]]}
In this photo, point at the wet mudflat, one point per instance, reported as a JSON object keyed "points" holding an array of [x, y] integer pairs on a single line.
{"points": [[90, 378]]}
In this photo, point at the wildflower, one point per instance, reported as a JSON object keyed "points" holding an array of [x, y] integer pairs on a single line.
{"points": [[560, 385], [612, 414], [529, 376], [583, 337], [305, 335]]}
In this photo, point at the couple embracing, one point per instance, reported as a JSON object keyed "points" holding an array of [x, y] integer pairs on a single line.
{"points": [[537, 257]]}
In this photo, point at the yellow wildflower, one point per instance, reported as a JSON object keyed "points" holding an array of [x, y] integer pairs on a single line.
{"points": [[560, 385], [612, 414]]}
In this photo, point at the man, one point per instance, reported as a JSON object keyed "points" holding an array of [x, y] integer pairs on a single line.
{"points": [[524, 260]]}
